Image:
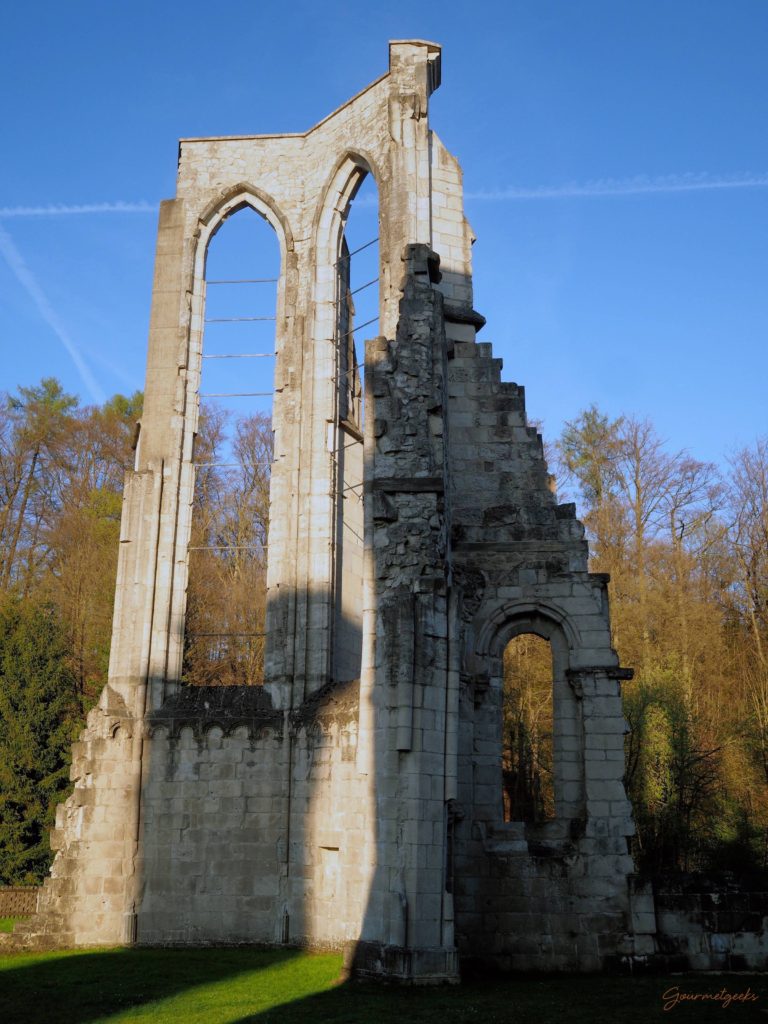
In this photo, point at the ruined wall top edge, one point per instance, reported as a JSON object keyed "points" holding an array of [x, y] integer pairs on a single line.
{"points": [[431, 55]]}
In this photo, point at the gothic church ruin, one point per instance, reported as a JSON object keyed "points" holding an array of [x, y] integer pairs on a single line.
{"points": [[357, 798]]}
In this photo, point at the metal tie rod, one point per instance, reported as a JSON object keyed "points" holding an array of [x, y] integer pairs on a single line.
{"points": [[359, 249], [345, 446], [359, 368], [226, 547], [359, 327], [354, 533], [236, 319], [231, 465], [242, 355], [364, 286], [234, 394], [247, 280], [196, 635]]}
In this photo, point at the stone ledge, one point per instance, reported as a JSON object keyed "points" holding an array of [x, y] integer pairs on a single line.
{"points": [[377, 961]]}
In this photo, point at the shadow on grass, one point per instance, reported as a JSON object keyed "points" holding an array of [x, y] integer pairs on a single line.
{"points": [[78, 987], [250, 986], [526, 1000]]}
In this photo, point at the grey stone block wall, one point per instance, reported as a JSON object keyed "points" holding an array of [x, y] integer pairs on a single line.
{"points": [[554, 895], [713, 931], [252, 827]]}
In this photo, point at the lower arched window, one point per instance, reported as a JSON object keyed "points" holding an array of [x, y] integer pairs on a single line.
{"points": [[528, 770]]}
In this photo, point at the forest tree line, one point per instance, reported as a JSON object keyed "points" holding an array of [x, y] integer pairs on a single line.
{"points": [[62, 468], [686, 547], [685, 544]]}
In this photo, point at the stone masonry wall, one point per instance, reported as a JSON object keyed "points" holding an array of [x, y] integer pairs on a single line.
{"points": [[554, 895], [302, 184], [708, 931], [407, 930], [252, 828], [90, 891]]}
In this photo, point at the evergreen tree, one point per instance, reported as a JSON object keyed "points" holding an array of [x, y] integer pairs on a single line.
{"points": [[39, 714]]}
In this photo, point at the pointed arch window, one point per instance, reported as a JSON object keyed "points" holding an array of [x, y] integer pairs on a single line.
{"points": [[226, 590]]}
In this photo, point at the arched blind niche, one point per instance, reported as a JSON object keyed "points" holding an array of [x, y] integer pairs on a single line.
{"points": [[226, 591]]}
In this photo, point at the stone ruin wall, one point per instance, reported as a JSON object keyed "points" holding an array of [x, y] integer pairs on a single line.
{"points": [[557, 892], [109, 870], [356, 797], [252, 823]]}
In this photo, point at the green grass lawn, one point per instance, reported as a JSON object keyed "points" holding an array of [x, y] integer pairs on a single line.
{"points": [[235, 986]]}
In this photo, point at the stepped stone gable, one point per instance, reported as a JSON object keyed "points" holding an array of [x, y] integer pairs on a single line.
{"points": [[356, 798]]}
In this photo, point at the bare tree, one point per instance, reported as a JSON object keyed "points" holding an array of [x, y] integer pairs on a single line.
{"points": [[226, 594]]}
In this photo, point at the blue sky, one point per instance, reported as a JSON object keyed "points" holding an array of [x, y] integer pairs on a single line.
{"points": [[615, 161]]}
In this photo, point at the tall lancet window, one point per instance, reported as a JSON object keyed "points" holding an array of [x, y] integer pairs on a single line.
{"points": [[357, 315], [226, 592]]}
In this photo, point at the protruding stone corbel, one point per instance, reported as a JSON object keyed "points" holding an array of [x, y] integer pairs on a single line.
{"points": [[576, 676]]}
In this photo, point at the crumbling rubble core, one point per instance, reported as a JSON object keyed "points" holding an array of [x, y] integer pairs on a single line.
{"points": [[357, 798]]}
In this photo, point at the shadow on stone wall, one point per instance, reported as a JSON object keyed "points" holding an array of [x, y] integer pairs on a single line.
{"points": [[251, 823]]}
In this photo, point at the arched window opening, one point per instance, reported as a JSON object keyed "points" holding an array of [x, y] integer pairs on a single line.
{"points": [[528, 768], [358, 296], [226, 590], [357, 315]]}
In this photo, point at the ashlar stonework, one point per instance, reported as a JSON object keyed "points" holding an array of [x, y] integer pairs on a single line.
{"points": [[356, 798]]}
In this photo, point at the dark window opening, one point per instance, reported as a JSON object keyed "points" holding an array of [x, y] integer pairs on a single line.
{"points": [[527, 730]]}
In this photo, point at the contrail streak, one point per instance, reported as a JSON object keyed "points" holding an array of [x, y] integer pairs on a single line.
{"points": [[27, 280], [61, 210], [640, 185]]}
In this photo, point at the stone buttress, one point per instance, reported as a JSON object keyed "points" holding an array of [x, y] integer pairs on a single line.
{"points": [[356, 797]]}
